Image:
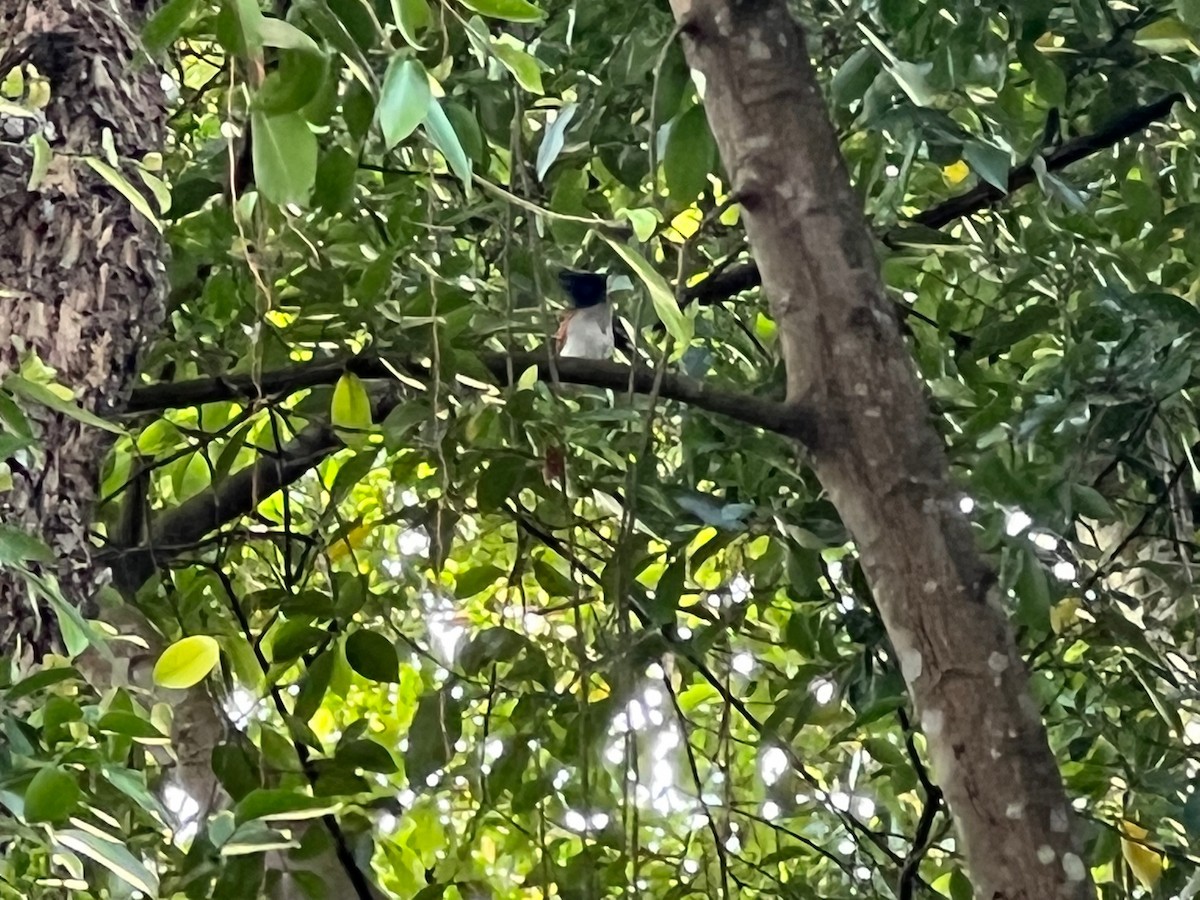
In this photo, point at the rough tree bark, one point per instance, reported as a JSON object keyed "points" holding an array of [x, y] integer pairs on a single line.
{"points": [[82, 284], [877, 453], [81, 272]]}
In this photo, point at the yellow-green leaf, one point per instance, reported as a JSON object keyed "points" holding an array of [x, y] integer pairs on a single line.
{"points": [[158, 187], [127, 190], [523, 66], [1145, 863], [644, 221], [661, 296], [187, 661], [41, 160], [411, 17], [114, 857], [765, 328], [956, 172], [528, 379], [513, 10], [351, 409], [61, 401]]}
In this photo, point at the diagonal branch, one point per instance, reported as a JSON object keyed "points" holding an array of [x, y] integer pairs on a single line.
{"points": [[744, 276], [173, 532], [788, 419]]}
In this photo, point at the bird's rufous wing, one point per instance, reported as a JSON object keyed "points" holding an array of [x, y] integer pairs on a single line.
{"points": [[560, 336]]}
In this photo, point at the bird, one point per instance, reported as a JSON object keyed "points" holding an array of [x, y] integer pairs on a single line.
{"points": [[586, 332], [587, 329]]}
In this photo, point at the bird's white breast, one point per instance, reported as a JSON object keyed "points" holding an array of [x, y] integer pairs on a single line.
{"points": [[589, 334]]}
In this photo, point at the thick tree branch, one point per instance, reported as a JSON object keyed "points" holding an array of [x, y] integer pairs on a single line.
{"points": [[172, 532], [743, 276], [789, 419], [879, 458]]}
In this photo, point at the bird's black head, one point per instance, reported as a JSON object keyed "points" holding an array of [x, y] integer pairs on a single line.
{"points": [[584, 288]]}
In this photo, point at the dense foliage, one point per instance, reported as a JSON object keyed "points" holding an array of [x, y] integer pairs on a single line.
{"points": [[653, 668]]}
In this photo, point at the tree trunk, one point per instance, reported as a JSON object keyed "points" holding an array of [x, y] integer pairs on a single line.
{"points": [[81, 272], [82, 282], [877, 453]]}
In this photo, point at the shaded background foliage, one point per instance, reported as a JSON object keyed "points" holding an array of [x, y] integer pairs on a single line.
{"points": [[667, 677]]}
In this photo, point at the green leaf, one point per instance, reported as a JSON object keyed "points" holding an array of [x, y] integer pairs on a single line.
{"points": [[237, 767], [512, 10], [523, 66], [661, 296], [555, 583], [285, 157], [690, 155], [16, 546], [131, 725], [280, 804], [39, 681], [160, 32], [368, 755], [286, 36], [443, 136], [133, 785], [404, 101], [467, 128], [315, 684], [1166, 710], [1089, 501], [51, 796], [359, 19], [126, 190], [114, 857], [337, 175], [255, 838], [158, 188], [436, 726], [885, 752], [496, 644], [293, 85], [472, 581], [1033, 594], [665, 603], [501, 481], [854, 77], [913, 80], [411, 17], [1191, 816], [644, 222], [244, 18], [187, 661], [990, 162], [554, 140], [1167, 35], [373, 656], [1000, 335], [960, 886], [293, 639]]}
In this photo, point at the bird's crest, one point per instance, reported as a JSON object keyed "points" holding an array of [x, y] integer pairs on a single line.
{"points": [[584, 288]]}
